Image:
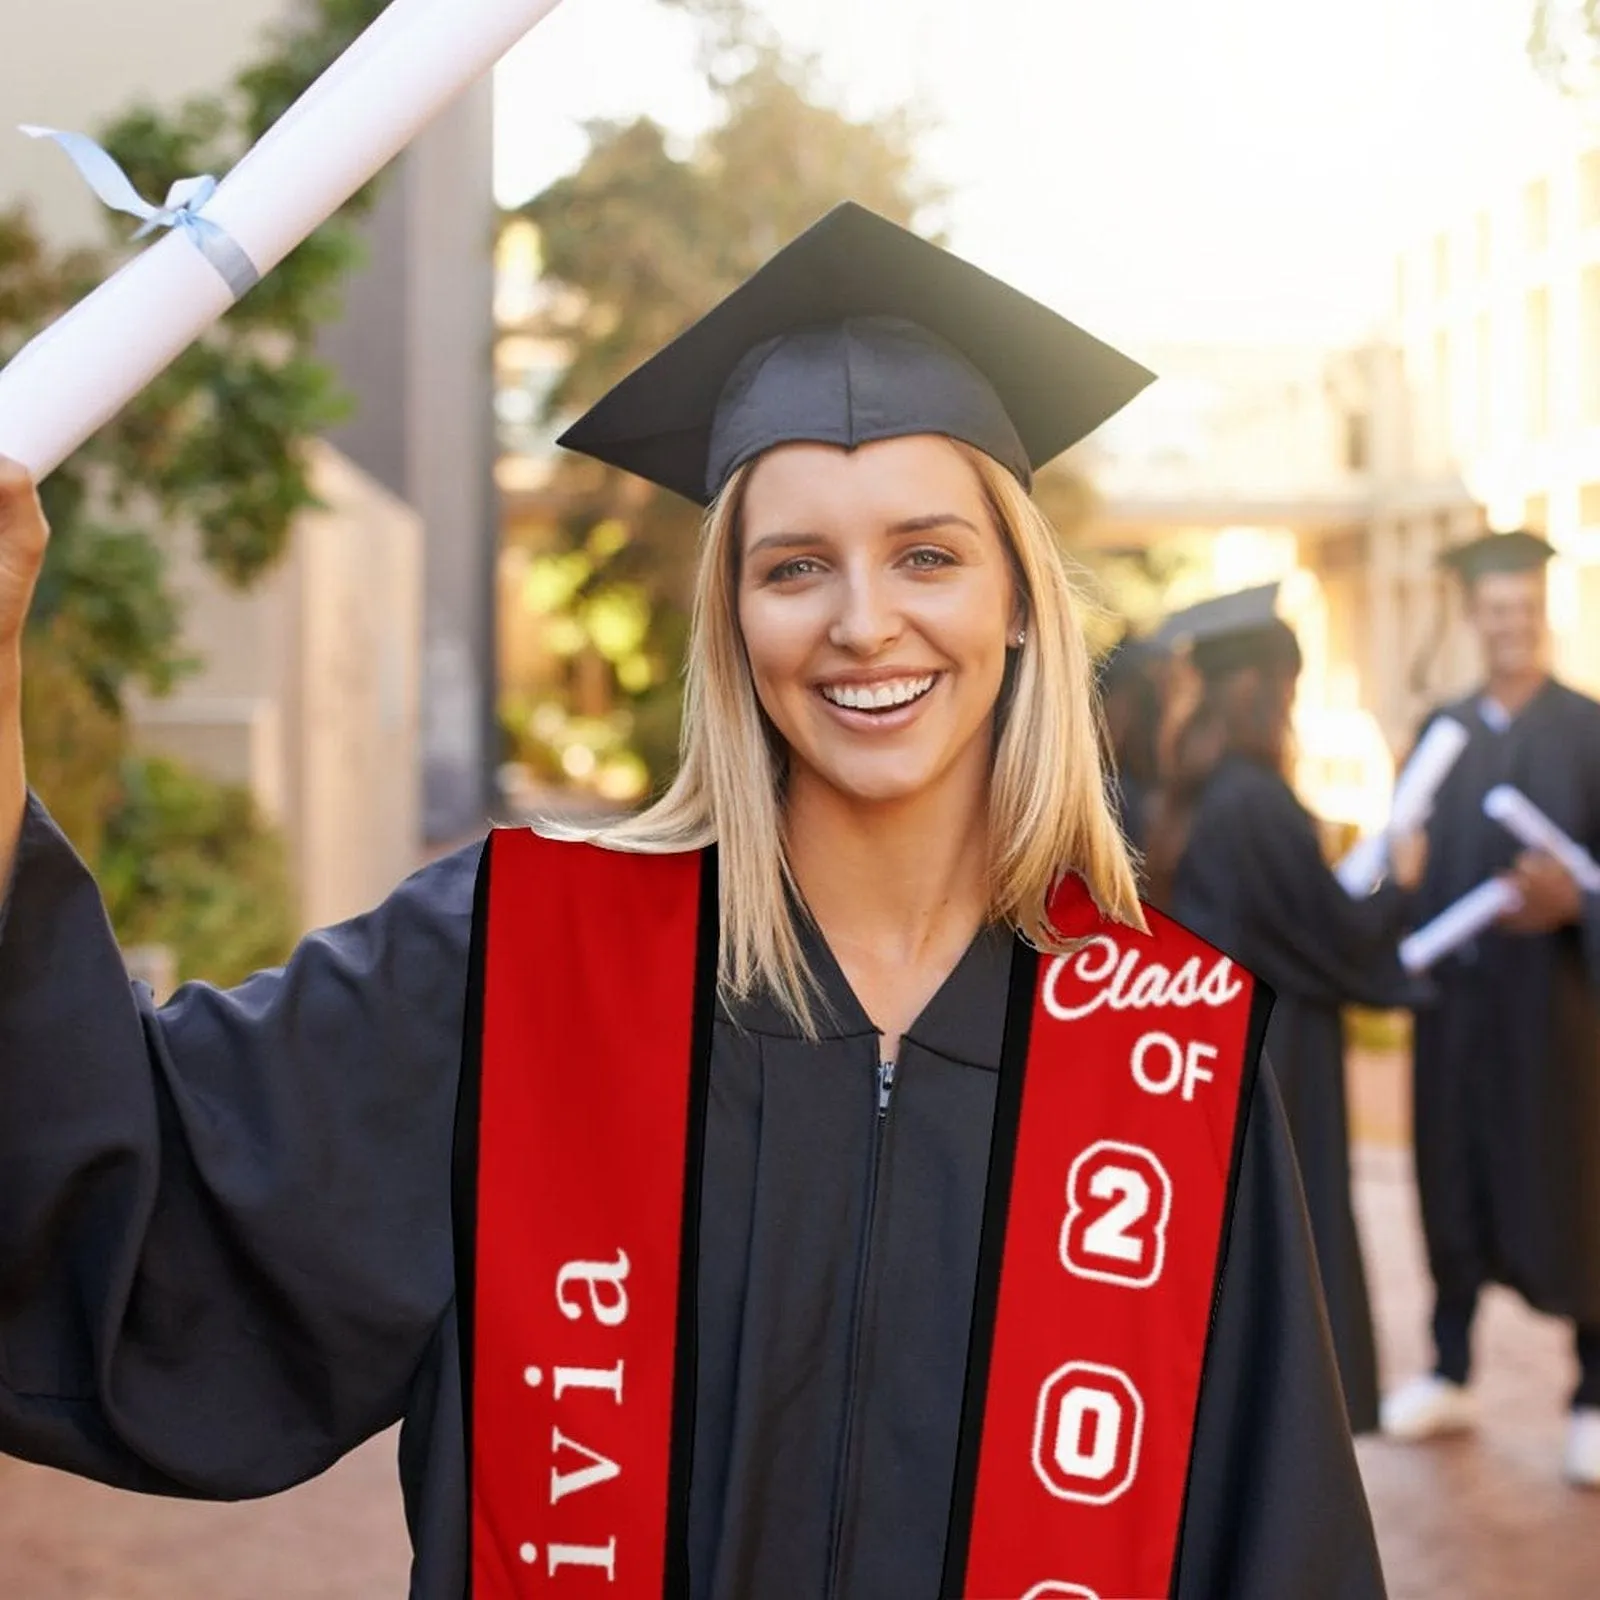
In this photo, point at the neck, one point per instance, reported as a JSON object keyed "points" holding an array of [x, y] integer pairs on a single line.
{"points": [[1511, 691], [899, 878]]}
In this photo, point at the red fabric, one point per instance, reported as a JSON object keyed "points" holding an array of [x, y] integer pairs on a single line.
{"points": [[1118, 1204], [1117, 1209], [588, 1029]]}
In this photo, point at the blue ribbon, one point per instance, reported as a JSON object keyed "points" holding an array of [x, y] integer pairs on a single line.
{"points": [[186, 200]]}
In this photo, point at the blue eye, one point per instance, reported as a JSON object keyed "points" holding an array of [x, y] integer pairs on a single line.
{"points": [[926, 559], [797, 567]]}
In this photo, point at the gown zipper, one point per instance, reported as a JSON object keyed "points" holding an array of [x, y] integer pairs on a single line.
{"points": [[885, 1095]]}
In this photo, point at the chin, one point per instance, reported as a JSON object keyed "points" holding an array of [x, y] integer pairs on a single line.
{"points": [[883, 785]]}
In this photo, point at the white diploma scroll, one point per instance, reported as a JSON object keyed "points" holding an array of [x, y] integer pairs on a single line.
{"points": [[416, 58], [1521, 818], [1414, 793], [1458, 923]]}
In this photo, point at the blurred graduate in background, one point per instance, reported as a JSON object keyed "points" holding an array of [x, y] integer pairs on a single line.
{"points": [[1234, 854], [1130, 675], [1508, 1057]]}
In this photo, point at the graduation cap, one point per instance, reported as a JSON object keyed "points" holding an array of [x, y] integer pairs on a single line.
{"points": [[1130, 656], [1517, 551], [1230, 631], [858, 330]]}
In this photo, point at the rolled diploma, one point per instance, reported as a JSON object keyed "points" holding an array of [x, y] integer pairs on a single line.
{"points": [[1520, 817], [83, 369], [1414, 794], [1458, 923]]}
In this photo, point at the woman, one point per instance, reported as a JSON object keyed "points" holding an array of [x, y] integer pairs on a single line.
{"points": [[1130, 693], [1236, 856], [733, 1222]]}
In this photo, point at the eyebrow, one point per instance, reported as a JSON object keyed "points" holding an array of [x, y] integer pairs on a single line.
{"points": [[928, 524]]}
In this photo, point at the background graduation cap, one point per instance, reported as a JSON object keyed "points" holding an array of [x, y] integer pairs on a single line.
{"points": [[1229, 631], [858, 330], [1515, 551]]}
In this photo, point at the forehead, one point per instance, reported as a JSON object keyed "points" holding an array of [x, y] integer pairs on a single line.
{"points": [[821, 487], [1508, 588]]}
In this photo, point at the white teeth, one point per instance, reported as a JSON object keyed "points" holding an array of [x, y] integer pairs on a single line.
{"points": [[877, 696]]}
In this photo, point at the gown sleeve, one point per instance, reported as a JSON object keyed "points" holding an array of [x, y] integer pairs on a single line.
{"points": [[1294, 925], [224, 1222], [1276, 1505]]}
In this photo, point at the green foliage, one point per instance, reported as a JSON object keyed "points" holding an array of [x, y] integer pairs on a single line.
{"points": [[638, 242], [212, 447], [188, 863]]}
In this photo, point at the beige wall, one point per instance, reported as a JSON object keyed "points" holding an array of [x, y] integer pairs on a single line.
{"points": [[310, 691], [74, 63]]}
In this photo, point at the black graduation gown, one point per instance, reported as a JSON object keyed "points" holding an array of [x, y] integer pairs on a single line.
{"points": [[1253, 881], [1508, 1055], [225, 1259], [1131, 800]]}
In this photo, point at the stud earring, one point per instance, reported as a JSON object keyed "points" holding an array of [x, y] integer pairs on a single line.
{"points": [[1020, 640]]}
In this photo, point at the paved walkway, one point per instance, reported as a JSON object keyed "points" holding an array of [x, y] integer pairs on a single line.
{"points": [[1486, 1519]]}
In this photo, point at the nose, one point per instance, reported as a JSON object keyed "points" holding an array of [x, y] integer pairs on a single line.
{"points": [[866, 621]]}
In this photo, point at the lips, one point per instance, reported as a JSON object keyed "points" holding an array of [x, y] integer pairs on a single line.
{"points": [[889, 694]]}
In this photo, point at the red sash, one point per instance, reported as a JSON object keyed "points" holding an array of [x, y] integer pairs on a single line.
{"points": [[1115, 1152]]}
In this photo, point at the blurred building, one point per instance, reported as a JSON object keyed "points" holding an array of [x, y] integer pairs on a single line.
{"points": [[1285, 463], [1498, 325], [415, 347]]}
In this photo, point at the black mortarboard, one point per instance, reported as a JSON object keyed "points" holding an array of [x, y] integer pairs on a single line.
{"points": [[1130, 656], [1230, 631], [1517, 551], [858, 330]]}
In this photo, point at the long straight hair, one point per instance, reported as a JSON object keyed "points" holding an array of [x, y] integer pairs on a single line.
{"points": [[1048, 807], [1242, 709]]}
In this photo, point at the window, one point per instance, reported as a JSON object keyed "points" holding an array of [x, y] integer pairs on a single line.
{"points": [[1589, 189], [1483, 379], [1589, 505], [1536, 215], [1589, 345], [1536, 513], [1537, 335], [1443, 386]]}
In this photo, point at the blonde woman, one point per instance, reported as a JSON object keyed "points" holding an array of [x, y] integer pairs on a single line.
{"points": [[823, 1184]]}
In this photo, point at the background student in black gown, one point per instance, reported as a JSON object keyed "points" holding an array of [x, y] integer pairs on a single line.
{"points": [[1130, 677], [1235, 855], [1508, 1057]]}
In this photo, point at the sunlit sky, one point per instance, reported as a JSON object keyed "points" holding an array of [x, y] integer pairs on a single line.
{"points": [[1196, 169]]}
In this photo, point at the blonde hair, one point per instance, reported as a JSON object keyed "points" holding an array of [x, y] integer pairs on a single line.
{"points": [[1048, 808]]}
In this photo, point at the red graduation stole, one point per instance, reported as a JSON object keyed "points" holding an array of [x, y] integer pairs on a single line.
{"points": [[1126, 1070]]}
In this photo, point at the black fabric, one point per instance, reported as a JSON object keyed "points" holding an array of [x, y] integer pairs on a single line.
{"points": [[858, 330], [849, 383], [1516, 551], [1452, 1339], [226, 1259], [1507, 1059], [1254, 882], [1219, 617]]}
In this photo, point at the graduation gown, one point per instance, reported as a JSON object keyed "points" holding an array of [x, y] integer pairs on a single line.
{"points": [[1253, 882], [1508, 1054], [226, 1258]]}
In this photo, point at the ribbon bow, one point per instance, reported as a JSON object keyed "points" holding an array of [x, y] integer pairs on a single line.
{"points": [[186, 200]]}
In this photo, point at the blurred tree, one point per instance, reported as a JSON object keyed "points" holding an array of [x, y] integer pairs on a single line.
{"points": [[636, 243], [211, 451]]}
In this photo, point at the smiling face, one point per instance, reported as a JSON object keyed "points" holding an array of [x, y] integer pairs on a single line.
{"points": [[876, 600], [1507, 610]]}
